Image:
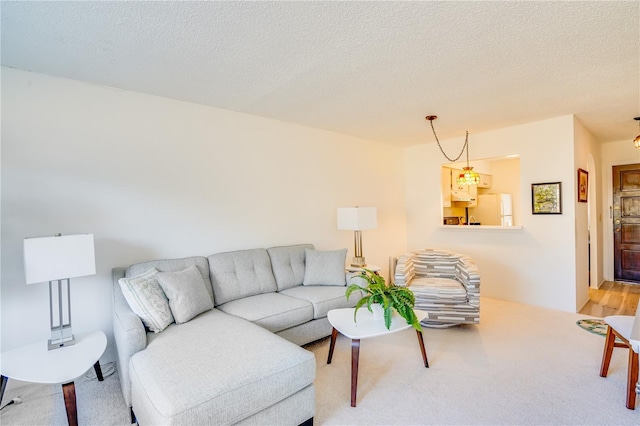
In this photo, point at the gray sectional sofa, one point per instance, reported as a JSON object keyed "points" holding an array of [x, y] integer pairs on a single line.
{"points": [[241, 361]]}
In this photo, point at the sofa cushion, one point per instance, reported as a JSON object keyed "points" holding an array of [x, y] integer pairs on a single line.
{"points": [[238, 274], [168, 265], [436, 263], [288, 264], [323, 298], [272, 311], [440, 290], [325, 267], [187, 293], [215, 369], [147, 300]]}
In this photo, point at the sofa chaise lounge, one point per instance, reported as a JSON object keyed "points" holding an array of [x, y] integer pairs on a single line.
{"points": [[240, 360]]}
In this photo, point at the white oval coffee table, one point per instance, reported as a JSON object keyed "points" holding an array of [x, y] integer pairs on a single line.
{"points": [[366, 327], [35, 363]]}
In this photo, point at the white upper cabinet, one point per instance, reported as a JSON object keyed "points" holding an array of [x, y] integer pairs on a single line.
{"points": [[485, 181]]}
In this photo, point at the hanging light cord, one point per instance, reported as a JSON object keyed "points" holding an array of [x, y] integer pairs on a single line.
{"points": [[466, 144]]}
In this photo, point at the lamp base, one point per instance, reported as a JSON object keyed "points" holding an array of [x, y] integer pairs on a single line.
{"points": [[60, 343], [358, 262], [61, 336]]}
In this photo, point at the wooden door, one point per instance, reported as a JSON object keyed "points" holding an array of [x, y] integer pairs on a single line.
{"points": [[626, 222]]}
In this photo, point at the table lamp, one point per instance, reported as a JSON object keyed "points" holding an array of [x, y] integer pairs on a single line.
{"points": [[56, 259], [357, 219]]}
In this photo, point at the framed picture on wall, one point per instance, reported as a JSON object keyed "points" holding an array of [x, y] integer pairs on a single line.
{"points": [[546, 198], [583, 185]]}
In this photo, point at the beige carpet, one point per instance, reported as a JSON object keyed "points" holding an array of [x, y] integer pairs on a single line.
{"points": [[521, 365]]}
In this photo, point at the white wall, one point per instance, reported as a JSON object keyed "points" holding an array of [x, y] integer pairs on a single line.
{"points": [[587, 150], [595, 222], [613, 154], [535, 265], [157, 178]]}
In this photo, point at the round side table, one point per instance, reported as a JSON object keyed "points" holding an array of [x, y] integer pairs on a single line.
{"points": [[372, 268], [35, 363]]}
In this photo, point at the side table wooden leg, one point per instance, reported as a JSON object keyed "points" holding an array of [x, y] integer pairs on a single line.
{"points": [[98, 370], [422, 349], [334, 335], [609, 344], [3, 386], [69, 392], [632, 379], [355, 357]]}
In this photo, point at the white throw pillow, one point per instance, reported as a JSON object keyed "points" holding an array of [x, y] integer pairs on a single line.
{"points": [[147, 300], [324, 267], [187, 293]]}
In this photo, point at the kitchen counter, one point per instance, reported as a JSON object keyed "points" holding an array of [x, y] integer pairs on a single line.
{"points": [[483, 227]]}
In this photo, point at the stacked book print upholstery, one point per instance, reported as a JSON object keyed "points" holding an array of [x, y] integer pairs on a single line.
{"points": [[446, 285]]}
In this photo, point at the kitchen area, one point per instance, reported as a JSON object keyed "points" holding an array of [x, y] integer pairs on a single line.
{"points": [[489, 203]]}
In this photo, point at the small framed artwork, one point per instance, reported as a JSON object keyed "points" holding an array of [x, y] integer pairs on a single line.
{"points": [[546, 198], [583, 185]]}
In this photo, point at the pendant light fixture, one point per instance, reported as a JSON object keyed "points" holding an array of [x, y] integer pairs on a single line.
{"points": [[636, 141], [468, 176]]}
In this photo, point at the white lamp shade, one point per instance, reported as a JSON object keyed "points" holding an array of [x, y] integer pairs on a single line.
{"points": [[357, 218], [56, 258]]}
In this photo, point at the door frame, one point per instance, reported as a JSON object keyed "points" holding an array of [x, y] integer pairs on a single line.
{"points": [[595, 229], [607, 221]]}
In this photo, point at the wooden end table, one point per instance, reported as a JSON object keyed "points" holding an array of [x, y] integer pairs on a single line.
{"points": [[35, 363], [366, 327]]}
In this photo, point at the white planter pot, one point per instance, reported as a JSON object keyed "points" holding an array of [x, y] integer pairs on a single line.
{"points": [[378, 311]]}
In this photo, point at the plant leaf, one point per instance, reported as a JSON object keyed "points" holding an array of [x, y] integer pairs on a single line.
{"points": [[359, 305], [352, 288], [388, 312]]}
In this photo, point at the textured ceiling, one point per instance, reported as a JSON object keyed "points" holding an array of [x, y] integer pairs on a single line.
{"points": [[369, 69]]}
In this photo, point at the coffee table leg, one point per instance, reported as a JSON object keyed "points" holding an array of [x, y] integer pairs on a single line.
{"points": [[98, 370], [355, 357], [424, 352], [334, 335], [69, 392]]}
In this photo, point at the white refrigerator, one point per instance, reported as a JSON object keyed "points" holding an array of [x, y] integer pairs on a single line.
{"points": [[493, 209]]}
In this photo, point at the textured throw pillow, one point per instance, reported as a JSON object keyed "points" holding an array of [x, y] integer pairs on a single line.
{"points": [[147, 300], [324, 267], [187, 293]]}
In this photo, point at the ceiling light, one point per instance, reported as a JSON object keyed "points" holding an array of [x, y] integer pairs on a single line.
{"points": [[468, 176]]}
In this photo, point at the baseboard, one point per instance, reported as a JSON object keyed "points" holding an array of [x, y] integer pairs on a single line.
{"points": [[583, 305]]}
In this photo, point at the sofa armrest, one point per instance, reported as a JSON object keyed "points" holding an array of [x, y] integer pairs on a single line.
{"points": [[401, 270], [128, 332], [393, 263], [467, 273]]}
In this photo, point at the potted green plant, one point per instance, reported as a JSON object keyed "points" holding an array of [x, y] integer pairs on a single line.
{"points": [[389, 297]]}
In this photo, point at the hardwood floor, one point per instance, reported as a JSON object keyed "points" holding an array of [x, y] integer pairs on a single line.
{"points": [[613, 298]]}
